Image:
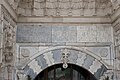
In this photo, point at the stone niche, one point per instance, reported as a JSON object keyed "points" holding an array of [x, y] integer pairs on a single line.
{"points": [[52, 33]]}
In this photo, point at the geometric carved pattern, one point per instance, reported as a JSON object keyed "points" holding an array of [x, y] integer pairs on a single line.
{"points": [[80, 58], [63, 7]]}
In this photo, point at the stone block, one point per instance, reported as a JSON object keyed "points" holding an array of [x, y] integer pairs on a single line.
{"points": [[86, 34], [63, 12], [73, 56], [57, 56], [64, 34], [88, 61], [28, 51], [51, 12], [89, 12], [38, 12], [42, 5], [91, 5], [41, 61], [49, 58], [103, 52], [64, 5], [36, 33], [28, 12], [100, 12], [50, 5], [36, 5], [104, 33], [76, 12], [21, 11]]}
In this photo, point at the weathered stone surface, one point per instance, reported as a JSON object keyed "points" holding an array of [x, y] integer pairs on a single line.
{"points": [[28, 51], [30, 33], [34, 65], [86, 33], [88, 63], [94, 33], [95, 66], [38, 12], [81, 58], [103, 52], [1, 28], [49, 58], [73, 56], [41, 61], [104, 33], [57, 56], [61, 11], [64, 34], [100, 71], [67, 8]]}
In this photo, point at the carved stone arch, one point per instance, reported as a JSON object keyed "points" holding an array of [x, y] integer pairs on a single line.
{"points": [[78, 56]]}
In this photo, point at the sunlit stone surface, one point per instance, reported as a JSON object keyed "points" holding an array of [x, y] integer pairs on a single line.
{"points": [[34, 33]]}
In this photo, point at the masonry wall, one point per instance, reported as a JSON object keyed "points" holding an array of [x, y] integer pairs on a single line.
{"points": [[35, 38], [7, 44], [64, 33]]}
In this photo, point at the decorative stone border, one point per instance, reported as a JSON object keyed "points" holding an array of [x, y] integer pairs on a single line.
{"points": [[78, 56]]}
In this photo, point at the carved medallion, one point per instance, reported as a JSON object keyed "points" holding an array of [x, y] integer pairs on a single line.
{"points": [[25, 53], [104, 52]]}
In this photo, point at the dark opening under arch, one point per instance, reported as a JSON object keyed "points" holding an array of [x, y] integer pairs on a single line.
{"points": [[57, 72]]}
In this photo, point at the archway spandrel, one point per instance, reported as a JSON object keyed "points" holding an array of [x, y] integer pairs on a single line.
{"points": [[76, 57]]}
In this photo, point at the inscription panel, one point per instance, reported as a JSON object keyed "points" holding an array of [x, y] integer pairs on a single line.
{"points": [[64, 34], [29, 33], [104, 33], [94, 33], [86, 34]]}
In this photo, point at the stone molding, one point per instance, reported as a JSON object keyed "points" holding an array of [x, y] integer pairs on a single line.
{"points": [[9, 9], [66, 20]]}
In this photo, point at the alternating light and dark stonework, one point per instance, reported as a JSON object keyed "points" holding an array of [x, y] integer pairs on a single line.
{"points": [[76, 57]]}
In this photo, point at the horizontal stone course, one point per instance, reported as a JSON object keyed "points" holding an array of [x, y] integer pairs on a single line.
{"points": [[63, 34]]}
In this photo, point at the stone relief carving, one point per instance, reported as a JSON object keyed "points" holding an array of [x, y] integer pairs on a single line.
{"points": [[63, 7], [8, 46], [25, 53], [8, 26], [65, 54], [104, 52]]}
